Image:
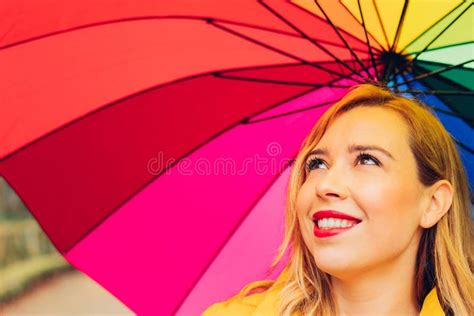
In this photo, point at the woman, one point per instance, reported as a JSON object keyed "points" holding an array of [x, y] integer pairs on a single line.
{"points": [[377, 218]]}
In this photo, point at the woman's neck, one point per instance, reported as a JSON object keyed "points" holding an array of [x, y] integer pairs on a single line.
{"points": [[387, 290]]}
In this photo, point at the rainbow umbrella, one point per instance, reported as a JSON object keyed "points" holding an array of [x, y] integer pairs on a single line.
{"points": [[152, 140]]}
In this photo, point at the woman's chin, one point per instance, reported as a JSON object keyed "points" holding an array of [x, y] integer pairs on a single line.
{"points": [[341, 267], [339, 273]]}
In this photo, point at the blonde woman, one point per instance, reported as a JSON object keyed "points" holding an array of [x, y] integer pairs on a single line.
{"points": [[377, 218]]}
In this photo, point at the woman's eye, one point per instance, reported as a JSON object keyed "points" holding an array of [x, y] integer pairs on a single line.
{"points": [[313, 163], [367, 157]]}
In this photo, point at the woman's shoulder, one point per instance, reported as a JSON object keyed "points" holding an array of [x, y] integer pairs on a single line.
{"points": [[265, 303], [236, 306], [253, 304]]}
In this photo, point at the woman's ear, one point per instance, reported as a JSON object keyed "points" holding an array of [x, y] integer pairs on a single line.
{"points": [[440, 196]]}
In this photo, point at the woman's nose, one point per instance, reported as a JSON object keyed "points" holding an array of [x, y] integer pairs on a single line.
{"points": [[332, 184]]}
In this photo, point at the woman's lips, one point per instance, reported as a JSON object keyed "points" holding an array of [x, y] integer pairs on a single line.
{"points": [[334, 214], [326, 214]]}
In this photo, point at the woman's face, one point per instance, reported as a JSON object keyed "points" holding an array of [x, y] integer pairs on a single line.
{"points": [[380, 189]]}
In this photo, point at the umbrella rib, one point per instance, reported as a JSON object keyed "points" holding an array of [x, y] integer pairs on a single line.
{"points": [[410, 62], [432, 25], [410, 86], [225, 242], [294, 83], [419, 70], [303, 34], [342, 37], [454, 112], [100, 23], [368, 41], [442, 32], [381, 23], [464, 146], [210, 21], [347, 34], [438, 48], [323, 20], [222, 74], [408, 83], [143, 18], [290, 112], [435, 72], [108, 105], [285, 33], [266, 66], [353, 16], [399, 26], [395, 84], [439, 92], [450, 113]]}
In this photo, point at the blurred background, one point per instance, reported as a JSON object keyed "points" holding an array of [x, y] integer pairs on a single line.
{"points": [[33, 275]]}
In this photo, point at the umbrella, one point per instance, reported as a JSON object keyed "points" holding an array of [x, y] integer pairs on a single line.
{"points": [[153, 140]]}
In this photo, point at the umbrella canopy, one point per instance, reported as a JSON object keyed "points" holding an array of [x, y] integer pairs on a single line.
{"points": [[153, 140]]}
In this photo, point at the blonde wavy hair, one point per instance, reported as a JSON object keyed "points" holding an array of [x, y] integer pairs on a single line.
{"points": [[445, 253]]}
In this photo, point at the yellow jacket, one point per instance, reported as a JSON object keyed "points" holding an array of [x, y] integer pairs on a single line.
{"points": [[265, 304]]}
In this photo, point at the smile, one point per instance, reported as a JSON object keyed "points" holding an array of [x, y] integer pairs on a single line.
{"points": [[328, 223], [327, 227]]}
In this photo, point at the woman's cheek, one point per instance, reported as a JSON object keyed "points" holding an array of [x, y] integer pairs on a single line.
{"points": [[370, 191], [386, 209], [304, 202], [305, 196]]}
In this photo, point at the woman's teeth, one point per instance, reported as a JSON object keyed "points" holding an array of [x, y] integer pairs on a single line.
{"points": [[328, 223]]}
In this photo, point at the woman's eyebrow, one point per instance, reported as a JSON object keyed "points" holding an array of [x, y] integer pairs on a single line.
{"points": [[353, 148]]}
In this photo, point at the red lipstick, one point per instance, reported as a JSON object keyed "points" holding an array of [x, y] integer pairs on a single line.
{"points": [[327, 232]]}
